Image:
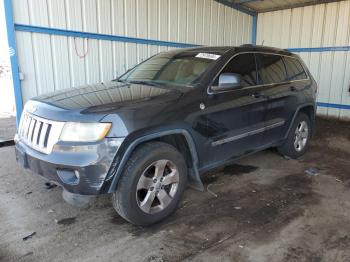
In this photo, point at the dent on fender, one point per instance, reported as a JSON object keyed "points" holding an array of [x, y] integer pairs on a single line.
{"points": [[118, 128]]}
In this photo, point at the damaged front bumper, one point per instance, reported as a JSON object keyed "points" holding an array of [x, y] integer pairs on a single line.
{"points": [[80, 168]]}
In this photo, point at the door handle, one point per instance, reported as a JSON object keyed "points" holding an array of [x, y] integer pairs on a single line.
{"points": [[256, 95], [293, 88]]}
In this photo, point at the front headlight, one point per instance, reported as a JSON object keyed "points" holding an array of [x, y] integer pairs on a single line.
{"points": [[84, 132]]}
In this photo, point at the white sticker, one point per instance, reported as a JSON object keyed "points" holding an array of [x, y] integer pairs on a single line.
{"points": [[12, 51], [208, 56]]}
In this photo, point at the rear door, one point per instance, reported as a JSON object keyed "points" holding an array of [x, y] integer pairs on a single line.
{"points": [[235, 117], [281, 90]]}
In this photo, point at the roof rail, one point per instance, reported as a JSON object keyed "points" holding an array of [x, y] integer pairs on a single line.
{"points": [[247, 45]]}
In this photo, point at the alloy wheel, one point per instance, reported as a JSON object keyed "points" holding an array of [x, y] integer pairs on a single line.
{"points": [[157, 186], [301, 136]]}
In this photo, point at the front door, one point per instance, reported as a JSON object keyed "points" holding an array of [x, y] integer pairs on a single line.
{"points": [[235, 118]]}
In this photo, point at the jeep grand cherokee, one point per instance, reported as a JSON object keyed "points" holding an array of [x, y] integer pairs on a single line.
{"points": [[146, 135]]}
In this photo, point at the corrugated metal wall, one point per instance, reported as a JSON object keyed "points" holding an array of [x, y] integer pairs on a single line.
{"points": [[325, 25], [50, 62]]}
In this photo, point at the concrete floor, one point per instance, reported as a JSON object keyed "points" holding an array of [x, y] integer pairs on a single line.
{"points": [[265, 208], [7, 127]]}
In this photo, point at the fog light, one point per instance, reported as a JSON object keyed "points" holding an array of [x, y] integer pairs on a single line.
{"points": [[67, 176]]}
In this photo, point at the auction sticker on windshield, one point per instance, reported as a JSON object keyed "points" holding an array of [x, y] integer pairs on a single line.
{"points": [[208, 56]]}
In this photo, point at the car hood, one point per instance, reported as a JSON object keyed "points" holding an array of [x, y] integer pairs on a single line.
{"points": [[93, 102]]}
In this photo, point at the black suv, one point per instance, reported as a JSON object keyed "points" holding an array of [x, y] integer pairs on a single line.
{"points": [[145, 135]]}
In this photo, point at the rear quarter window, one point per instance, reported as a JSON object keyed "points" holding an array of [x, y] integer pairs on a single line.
{"points": [[271, 69], [295, 70]]}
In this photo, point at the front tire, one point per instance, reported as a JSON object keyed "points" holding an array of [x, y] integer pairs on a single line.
{"points": [[152, 184], [298, 137]]}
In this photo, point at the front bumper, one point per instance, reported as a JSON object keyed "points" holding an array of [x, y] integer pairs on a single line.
{"points": [[79, 168]]}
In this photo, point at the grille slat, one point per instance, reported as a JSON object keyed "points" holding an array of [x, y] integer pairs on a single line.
{"points": [[39, 133], [21, 123], [43, 135], [26, 128], [30, 129], [24, 125], [47, 135], [36, 132]]}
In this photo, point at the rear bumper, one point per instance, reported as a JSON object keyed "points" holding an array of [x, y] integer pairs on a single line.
{"points": [[79, 168]]}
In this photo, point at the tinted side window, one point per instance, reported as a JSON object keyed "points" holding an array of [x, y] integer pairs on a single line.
{"points": [[271, 69], [295, 70], [243, 65]]}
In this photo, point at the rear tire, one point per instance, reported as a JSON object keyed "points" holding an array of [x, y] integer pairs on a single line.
{"points": [[298, 138], [151, 185]]}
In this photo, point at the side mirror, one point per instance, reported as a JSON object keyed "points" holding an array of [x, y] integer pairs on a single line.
{"points": [[227, 81]]}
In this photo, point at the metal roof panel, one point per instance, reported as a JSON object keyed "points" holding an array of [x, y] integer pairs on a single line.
{"points": [[262, 6]]}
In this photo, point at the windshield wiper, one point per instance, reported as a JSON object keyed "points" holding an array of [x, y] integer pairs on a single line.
{"points": [[120, 80], [143, 82]]}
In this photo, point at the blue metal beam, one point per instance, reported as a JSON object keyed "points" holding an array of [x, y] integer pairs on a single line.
{"points": [[320, 49], [72, 33], [11, 37], [238, 7], [329, 105]]}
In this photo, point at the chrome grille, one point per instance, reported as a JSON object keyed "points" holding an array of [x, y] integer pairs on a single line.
{"points": [[39, 133]]}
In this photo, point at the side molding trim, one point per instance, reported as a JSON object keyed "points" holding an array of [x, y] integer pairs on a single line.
{"points": [[244, 135]]}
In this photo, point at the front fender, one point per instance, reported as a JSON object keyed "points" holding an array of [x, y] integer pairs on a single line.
{"points": [[119, 161]]}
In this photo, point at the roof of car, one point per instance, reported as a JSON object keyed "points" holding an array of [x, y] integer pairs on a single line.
{"points": [[244, 48], [215, 49], [262, 48]]}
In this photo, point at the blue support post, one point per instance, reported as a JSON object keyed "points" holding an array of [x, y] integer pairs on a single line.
{"points": [[13, 58], [254, 30]]}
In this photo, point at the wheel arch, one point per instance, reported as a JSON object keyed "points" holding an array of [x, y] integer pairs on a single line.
{"points": [[310, 110], [191, 155]]}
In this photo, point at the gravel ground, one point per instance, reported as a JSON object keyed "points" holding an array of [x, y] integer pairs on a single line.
{"points": [[264, 208]]}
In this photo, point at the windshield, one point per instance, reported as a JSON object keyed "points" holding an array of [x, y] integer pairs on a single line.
{"points": [[169, 69]]}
